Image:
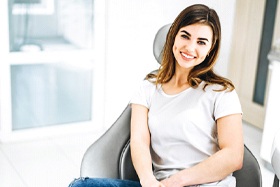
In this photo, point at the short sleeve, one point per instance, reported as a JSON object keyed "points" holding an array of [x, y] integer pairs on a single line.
{"points": [[227, 103], [143, 94]]}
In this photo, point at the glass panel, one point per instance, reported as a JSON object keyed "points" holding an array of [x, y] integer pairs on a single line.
{"points": [[37, 25], [49, 94]]}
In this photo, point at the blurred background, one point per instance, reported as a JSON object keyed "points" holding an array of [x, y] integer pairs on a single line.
{"points": [[68, 69]]}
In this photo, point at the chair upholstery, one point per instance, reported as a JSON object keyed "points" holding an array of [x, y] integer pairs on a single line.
{"points": [[275, 159], [109, 156], [103, 157], [250, 174], [159, 42]]}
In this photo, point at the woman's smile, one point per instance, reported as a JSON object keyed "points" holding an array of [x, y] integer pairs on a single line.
{"points": [[187, 56]]}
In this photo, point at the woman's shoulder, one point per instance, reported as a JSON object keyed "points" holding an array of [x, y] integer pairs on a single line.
{"points": [[144, 93]]}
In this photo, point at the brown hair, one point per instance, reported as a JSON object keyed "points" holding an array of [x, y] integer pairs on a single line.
{"points": [[204, 71]]}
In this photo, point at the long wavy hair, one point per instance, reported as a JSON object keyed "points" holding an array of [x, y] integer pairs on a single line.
{"points": [[204, 71]]}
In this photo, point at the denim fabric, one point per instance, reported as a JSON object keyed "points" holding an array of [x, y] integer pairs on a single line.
{"points": [[103, 182]]}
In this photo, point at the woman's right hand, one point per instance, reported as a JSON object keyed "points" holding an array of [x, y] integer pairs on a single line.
{"points": [[151, 183]]}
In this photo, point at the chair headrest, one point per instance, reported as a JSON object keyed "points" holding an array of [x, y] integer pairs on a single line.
{"points": [[159, 42], [275, 159]]}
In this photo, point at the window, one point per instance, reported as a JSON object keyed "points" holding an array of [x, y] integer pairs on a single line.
{"points": [[49, 77], [67, 26]]}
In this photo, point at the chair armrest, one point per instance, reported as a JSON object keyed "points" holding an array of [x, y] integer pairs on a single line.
{"points": [[102, 158]]}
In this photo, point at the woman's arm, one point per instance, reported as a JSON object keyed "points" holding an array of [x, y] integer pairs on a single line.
{"points": [[227, 160], [140, 146]]}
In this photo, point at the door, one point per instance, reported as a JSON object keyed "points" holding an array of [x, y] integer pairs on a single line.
{"points": [[256, 29]]}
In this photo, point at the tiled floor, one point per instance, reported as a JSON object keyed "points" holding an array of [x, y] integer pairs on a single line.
{"points": [[54, 162]]}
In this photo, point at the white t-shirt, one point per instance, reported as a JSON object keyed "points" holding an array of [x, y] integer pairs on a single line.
{"points": [[183, 126]]}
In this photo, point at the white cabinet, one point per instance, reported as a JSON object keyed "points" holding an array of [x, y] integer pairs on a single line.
{"points": [[272, 116]]}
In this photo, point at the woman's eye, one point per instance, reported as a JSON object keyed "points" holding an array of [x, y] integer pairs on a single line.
{"points": [[185, 36], [201, 43]]}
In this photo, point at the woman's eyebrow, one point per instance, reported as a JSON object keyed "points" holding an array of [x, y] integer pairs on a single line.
{"points": [[188, 34], [205, 39]]}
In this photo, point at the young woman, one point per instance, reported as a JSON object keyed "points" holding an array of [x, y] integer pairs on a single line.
{"points": [[186, 124]]}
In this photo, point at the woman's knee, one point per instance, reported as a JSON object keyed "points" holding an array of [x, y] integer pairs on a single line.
{"points": [[79, 182], [103, 182]]}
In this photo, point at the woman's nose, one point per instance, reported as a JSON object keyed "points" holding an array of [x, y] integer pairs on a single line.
{"points": [[190, 46]]}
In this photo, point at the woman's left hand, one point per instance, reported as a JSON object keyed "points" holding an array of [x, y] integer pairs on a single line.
{"points": [[170, 182]]}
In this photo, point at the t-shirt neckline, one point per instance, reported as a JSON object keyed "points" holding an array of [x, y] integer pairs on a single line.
{"points": [[173, 95]]}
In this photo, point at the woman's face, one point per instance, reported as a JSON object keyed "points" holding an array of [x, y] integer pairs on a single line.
{"points": [[192, 44]]}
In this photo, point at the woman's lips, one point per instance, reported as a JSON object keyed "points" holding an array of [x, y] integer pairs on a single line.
{"points": [[188, 56]]}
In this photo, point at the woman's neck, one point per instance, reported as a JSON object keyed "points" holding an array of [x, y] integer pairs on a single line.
{"points": [[177, 84]]}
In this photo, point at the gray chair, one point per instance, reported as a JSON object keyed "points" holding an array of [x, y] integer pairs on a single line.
{"points": [[275, 159], [109, 156]]}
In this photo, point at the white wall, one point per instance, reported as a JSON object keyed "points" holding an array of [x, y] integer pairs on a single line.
{"points": [[130, 29]]}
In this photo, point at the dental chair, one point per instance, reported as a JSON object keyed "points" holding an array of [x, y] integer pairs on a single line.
{"points": [[109, 156], [275, 159]]}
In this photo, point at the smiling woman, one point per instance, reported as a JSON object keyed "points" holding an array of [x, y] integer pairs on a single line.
{"points": [[186, 108], [180, 113]]}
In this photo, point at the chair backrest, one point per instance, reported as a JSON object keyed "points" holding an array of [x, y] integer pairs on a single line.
{"points": [[159, 42], [109, 156], [275, 159], [103, 157]]}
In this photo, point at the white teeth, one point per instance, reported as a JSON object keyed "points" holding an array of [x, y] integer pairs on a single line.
{"points": [[187, 56]]}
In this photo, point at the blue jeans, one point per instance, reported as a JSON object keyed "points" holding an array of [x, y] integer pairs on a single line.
{"points": [[103, 182]]}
